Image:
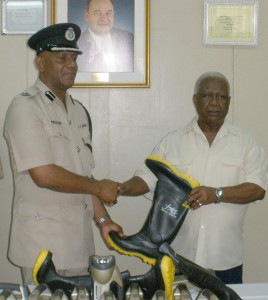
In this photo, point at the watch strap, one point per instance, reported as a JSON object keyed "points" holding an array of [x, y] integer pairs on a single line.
{"points": [[103, 219]]}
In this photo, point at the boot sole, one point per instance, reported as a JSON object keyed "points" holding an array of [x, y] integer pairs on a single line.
{"points": [[39, 262], [146, 259]]}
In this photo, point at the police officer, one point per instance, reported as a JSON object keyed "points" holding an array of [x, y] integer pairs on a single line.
{"points": [[49, 139]]}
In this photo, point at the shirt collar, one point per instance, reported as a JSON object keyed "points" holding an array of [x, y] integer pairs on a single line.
{"points": [[43, 88]]}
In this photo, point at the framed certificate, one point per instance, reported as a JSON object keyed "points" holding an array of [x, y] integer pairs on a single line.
{"points": [[231, 22], [23, 17]]}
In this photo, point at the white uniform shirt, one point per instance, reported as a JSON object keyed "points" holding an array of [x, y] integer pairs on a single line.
{"points": [[212, 236], [40, 131]]}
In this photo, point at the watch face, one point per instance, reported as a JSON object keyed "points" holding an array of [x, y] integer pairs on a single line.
{"points": [[219, 192]]}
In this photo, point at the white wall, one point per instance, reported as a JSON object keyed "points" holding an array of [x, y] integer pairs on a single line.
{"points": [[127, 123]]}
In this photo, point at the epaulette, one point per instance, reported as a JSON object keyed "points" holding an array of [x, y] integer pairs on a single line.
{"points": [[30, 92]]}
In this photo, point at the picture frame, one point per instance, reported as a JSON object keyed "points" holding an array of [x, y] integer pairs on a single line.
{"points": [[231, 22], [23, 16], [130, 15]]}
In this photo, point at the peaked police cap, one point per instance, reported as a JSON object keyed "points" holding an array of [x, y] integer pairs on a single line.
{"points": [[55, 38]]}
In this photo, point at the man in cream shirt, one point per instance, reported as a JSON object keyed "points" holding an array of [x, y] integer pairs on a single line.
{"points": [[232, 170]]}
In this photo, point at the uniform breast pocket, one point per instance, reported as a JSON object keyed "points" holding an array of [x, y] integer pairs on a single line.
{"points": [[60, 144]]}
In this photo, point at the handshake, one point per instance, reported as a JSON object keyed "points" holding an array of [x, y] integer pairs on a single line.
{"points": [[108, 191]]}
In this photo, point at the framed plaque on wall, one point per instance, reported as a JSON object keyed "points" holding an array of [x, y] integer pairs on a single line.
{"points": [[23, 16], [231, 22]]}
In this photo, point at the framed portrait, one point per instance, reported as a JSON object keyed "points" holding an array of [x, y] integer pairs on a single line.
{"points": [[23, 17], [114, 41], [231, 22]]}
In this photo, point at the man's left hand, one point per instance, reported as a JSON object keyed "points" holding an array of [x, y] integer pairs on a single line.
{"points": [[200, 196]]}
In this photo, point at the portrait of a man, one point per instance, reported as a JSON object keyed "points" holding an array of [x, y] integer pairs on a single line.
{"points": [[106, 47]]}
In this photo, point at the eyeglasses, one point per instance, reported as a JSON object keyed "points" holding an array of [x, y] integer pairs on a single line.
{"points": [[210, 97]]}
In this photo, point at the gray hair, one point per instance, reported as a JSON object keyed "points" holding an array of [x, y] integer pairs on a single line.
{"points": [[207, 75]]}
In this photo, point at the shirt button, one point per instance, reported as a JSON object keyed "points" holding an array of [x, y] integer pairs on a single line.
{"points": [[70, 122], [85, 205], [202, 227], [78, 149]]}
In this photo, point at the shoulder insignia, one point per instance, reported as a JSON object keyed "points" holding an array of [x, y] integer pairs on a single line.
{"points": [[30, 92], [50, 95], [25, 94]]}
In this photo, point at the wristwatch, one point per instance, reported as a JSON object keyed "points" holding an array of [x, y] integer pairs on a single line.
{"points": [[103, 219], [219, 194]]}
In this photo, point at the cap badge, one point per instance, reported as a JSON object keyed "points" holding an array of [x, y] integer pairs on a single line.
{"points": [[70, 34]]}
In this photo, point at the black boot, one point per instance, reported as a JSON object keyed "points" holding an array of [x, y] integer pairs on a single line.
{"points": [[44, 272], [199, 276], [165, 216]]}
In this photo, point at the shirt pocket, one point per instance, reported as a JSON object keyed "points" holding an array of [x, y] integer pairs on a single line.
{"points": [[60, 144]]}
